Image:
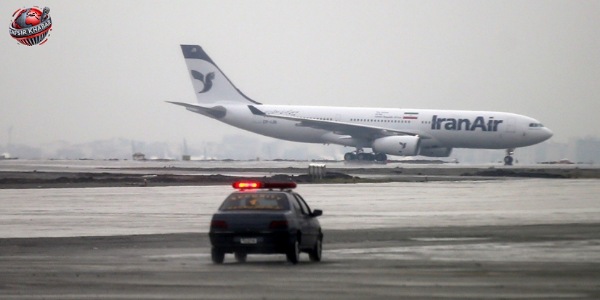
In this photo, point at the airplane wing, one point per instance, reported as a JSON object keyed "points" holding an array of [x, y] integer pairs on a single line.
{"points": [[337, 127], [213, 112]]}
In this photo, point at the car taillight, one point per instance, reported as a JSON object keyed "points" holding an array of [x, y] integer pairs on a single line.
{"points": [[218, 224], [280, 224]]}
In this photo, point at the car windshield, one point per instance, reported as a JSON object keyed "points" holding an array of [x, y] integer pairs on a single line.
{"points": [[256, 201]]}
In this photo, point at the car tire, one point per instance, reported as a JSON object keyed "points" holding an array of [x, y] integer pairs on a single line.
{"points": [[217, 255], [241, 256], [317, 251], [293, 253]]}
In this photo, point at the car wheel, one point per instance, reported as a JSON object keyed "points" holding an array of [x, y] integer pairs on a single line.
{"points": [[293, 254], [241, 256], [316, 252], [217, 255]]}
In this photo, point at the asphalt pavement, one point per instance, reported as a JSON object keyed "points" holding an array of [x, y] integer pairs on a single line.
{"points": [[558, 261]]}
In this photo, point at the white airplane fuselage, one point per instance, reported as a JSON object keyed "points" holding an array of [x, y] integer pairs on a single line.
{"points": [[445, 128]]}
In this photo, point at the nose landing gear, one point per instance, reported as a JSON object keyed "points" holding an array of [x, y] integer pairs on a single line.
{"points": [[508, 159]]}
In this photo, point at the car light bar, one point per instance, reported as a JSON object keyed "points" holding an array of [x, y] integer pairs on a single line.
{"points": [[247, 185]]}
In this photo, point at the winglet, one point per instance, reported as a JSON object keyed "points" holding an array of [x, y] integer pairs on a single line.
{"points": [[216, 112]]}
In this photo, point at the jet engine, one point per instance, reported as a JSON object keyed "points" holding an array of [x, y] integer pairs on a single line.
{"points": [[403, 145], [436, 152]]}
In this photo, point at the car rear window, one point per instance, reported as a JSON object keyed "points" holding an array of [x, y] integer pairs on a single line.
{"points": [[256, 201]]}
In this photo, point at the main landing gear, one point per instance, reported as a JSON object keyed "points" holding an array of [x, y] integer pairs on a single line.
{"points": [[359, 155], [508, 159]]}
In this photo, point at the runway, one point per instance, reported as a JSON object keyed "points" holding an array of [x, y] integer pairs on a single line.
{"points": [[500, 239], [479, 262]]}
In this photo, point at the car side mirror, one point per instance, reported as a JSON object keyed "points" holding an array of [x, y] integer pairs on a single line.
{"points": [[317, 212]]}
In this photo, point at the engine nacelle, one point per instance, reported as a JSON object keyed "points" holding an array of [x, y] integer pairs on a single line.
{"points": [[403, 145], [436, 152]]}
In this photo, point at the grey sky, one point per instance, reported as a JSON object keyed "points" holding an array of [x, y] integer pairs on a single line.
{"points": [[109, 66]]}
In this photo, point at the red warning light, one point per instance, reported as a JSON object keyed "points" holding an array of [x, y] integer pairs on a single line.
{"points": [[246, 185], [243, 185]]}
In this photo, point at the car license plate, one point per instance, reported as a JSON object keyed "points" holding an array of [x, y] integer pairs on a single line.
{"points": [[248, 241]]}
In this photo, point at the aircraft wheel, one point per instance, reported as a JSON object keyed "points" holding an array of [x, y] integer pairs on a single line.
{"points": [[508, 160], [380, 157], [349, 156], [366, 156]]}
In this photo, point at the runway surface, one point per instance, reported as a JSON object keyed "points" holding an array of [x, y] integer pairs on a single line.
{"points": [[501, 239], [480, 262]]}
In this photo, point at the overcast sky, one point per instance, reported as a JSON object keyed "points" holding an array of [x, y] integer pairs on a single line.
{"points": [[109, 66]]}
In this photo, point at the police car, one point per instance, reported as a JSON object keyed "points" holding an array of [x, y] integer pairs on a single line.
{"points": [[265, 218]]}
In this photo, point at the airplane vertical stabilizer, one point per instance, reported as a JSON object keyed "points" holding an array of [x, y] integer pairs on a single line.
{"points": [[210, 84]]}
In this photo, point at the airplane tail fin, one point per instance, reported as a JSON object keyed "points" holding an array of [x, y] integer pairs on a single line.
{"points": [[210, 84]]}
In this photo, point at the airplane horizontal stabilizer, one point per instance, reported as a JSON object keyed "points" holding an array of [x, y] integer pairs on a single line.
{"points": [[216, 112]]}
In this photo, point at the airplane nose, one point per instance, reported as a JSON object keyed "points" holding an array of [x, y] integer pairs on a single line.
{"points": [[547, 133]]}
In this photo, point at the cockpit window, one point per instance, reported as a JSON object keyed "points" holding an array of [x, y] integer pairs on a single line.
{"points": [[256, 201], [535, 125]]}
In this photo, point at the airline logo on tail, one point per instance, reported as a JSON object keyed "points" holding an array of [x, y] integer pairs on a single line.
{"points": [[206, 80]]}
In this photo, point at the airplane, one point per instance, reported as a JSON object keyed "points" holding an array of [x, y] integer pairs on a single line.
{"points": [[386, 131]]}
